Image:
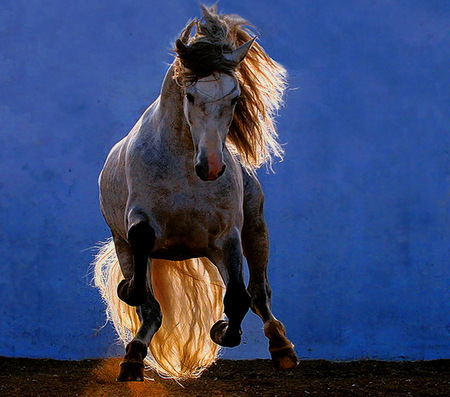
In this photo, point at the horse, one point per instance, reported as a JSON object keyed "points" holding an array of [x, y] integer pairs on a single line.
{"points": [[184, 205]]}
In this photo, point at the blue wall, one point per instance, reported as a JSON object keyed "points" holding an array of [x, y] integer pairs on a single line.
{"points": [[359, 211]]}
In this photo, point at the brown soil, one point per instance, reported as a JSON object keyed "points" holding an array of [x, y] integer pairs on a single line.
{"points": [[39, 378]]}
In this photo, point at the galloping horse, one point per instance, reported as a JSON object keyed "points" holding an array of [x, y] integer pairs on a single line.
{"points": [[181, 198]]}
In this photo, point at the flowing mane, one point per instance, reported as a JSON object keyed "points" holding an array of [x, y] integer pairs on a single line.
{"points": [[252, 135]]}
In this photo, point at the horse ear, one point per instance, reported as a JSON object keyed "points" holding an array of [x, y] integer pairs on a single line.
{"points": [[180, 46], [186, 34], [209, 12], [238, 55]]}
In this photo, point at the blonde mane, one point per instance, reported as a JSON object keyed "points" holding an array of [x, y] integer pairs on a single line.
{"points": [[252, 135]]}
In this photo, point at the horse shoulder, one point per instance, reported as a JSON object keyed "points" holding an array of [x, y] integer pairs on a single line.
{"points": [[253, 196], [112, 187], [113, 179]]}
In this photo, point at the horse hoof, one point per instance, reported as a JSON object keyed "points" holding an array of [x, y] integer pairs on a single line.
{"points": [[131, 371], [220, 335], [284, 358], [131, 296]]}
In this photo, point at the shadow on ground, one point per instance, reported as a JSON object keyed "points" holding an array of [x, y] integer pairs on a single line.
{"points": [[227, 378]]}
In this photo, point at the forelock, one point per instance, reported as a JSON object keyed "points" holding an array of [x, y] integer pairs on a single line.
{"points": [[203, 58]]}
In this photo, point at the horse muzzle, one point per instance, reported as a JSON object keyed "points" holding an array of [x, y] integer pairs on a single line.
{"points": [[208, 163], [207, 173]]}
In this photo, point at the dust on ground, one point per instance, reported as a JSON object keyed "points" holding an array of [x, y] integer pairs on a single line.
{"points": [[227, 378]]}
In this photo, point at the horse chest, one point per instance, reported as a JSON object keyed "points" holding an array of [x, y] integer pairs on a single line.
{"points": [[191, 222], [186, 212]]}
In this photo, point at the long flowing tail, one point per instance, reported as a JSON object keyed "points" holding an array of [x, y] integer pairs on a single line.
{"points": [[190, 294]]}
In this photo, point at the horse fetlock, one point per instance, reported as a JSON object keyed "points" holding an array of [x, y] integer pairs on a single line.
{"points": [[274, 329], [131, 294], [136, 350], [223, 335]]}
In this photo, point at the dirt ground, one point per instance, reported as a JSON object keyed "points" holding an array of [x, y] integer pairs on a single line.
{"points": [[42, 378]]}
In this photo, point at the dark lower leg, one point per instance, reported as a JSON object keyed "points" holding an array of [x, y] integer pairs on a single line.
{"points": [[132, 366], [236, 299], [236, 304]]}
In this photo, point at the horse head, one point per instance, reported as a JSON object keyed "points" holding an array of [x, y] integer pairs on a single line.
{"points": [[210, 96]]}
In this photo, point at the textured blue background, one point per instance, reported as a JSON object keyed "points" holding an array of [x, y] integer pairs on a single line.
{"points": [[359, 211]]}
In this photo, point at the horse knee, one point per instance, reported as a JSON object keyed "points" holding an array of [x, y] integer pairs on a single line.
{"points": [[261, 296], [141, 237], [260, 292]]}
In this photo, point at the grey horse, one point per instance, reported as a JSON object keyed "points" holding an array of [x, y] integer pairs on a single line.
{"points": [[181, 186]]}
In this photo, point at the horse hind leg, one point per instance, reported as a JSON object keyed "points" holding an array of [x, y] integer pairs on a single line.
{"points": [[132, 366]]}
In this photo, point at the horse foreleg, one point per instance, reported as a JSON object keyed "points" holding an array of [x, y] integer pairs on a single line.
{"points": [[132, 366], [133, 290], [255, 243], [236, 300], [256, 251]]}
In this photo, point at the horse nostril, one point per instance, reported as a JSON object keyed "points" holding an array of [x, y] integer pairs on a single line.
{"points": [[221, 171], [201, 172]]}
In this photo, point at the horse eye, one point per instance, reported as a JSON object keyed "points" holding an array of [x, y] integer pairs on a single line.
{"points": [[190, 98], [234, 100]]}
